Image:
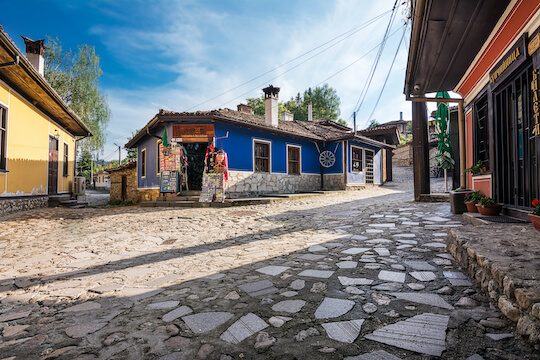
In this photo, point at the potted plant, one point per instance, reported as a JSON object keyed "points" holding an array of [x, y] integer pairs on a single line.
{"points": [[475, 169], [471, 199], [486, 206], [535, 215]]}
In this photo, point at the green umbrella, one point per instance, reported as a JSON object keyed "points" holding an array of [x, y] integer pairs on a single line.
{"points": [[445, 153], [164, 138]]}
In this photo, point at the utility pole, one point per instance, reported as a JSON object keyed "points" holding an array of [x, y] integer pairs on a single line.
{"points": [[119, 153], [354, 121]]}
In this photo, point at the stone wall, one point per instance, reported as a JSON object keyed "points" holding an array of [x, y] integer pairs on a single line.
{"points": [[403, 155], [8, 206], [502, 259], [334, 182], [246, 184], [133, 194]]}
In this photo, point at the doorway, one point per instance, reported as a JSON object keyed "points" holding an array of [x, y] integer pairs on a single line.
{"points": [[516, 171], [124, 188], [52, 187], [369, 166], [196, 153]]}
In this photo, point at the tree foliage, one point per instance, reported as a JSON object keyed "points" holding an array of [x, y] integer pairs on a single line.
{"points": [[75, 77], [324, 99], [132, 153], [373, 123]]}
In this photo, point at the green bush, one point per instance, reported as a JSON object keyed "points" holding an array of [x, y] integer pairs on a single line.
{"points": [[115, 202]]}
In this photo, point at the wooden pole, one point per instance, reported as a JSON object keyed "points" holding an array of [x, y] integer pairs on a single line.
{"points": [[420, 150]]}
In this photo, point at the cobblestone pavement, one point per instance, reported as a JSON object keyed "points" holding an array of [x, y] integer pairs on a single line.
{"points": [[358, 275]]}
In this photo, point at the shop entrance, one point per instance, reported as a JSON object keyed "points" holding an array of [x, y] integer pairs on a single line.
{"points": [[516, 171], [196, 153]]}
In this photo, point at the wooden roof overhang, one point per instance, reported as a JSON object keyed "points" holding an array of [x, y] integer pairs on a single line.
{"points": [[446, 36], [160, 119], [26, 80]]}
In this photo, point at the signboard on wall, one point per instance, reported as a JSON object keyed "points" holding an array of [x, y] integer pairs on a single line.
{"points": [[190, 133], [169, 182], [510, 62]]}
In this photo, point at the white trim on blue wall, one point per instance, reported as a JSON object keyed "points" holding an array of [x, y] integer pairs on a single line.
{"points": [[269, 154], [299, 158]]}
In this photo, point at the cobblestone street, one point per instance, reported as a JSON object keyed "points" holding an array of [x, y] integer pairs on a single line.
{"points": [[357, 275]]}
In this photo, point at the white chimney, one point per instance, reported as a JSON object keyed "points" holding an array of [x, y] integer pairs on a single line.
{"points": [[287, 116], [310, 111], [271, 105], [35, 53]]}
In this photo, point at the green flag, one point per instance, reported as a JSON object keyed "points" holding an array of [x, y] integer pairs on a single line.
{"points": [[164, 138]]}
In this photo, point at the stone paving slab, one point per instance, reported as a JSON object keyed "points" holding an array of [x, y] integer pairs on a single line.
{"points": [[205, 322], [259, 288], [423, 298], [375, 355], [392, 276], [273, 270], [424, 334], [323, 274], [243, 328], [344, 331], [332, 308]]}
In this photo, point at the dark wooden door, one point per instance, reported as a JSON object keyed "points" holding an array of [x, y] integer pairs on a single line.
{"points": [[196, 153], [124, 187], [53, 166], [516, 168]]}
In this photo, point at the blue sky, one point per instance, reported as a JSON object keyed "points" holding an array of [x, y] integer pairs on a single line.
{"points": [[177, 55]]}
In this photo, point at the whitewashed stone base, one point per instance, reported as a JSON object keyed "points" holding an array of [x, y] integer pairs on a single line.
{"points": [[8, 206], [334, 182], [246, 184]]}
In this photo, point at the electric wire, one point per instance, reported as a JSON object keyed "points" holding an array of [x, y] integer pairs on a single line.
{"points": [[389, 71], [345, 36], [365, 89]]}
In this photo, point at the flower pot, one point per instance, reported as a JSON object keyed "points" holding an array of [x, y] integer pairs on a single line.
{"points": [[535, 219], [489, 210], [471, 206]]}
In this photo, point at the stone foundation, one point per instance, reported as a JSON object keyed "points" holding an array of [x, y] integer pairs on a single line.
{"points": [[8, 206], [334, 182], [247, 184], [502, 259]]}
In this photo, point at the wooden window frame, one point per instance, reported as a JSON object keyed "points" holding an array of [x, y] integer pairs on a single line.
{"points": [[65, 165], [481, 131], [299, 161], [353, 160], [143, 163], [158, 157], [255, 157], [3, 138]]}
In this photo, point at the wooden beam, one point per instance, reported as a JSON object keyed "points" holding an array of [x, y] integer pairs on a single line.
{"points": [[420, 150]]}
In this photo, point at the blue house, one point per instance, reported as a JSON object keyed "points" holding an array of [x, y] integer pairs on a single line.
{"points": [[265, 154]]}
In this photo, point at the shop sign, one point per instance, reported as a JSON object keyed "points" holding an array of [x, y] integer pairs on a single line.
{"points": [[536, 105], [534, 44], [510, 61], [189, 133]]}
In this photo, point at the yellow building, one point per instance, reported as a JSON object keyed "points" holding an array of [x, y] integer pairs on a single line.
{"points": [[38, 131]]}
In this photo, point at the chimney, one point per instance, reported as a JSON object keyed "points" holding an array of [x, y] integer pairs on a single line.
{"points": [[310, 111], [271, 105], [287, 116], [244, 109], [35, 53], [401, 115]]}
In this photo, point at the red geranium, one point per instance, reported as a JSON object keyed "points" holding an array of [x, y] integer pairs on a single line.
{"points": [[536, 210], [535, 202]]}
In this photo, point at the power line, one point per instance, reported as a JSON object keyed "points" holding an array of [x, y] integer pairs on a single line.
{"points": [[345, 36], [388, 75], [376, 62]]}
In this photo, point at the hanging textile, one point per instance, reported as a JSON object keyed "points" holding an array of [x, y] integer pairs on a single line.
{"points": [[216, 174]]}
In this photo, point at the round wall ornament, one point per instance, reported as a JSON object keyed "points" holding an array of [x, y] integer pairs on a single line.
{"points": [[327, 158]]}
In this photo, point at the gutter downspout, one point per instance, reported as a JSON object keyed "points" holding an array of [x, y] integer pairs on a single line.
{"points": [[461, 122]]}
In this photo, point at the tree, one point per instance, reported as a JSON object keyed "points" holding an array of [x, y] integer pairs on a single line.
{"points": [[324, 99], [373, 123], [132, 153], [325, 102], [75, 77]]}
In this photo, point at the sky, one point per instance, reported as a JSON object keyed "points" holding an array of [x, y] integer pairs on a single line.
{"points": [[204, 55]]}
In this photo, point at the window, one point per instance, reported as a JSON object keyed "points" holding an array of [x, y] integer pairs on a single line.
{"points": [[3, 138], [159, 142], [481, 145], [262, 156], [143, 162], [293, 160], [66, 159], [356, 159]]}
